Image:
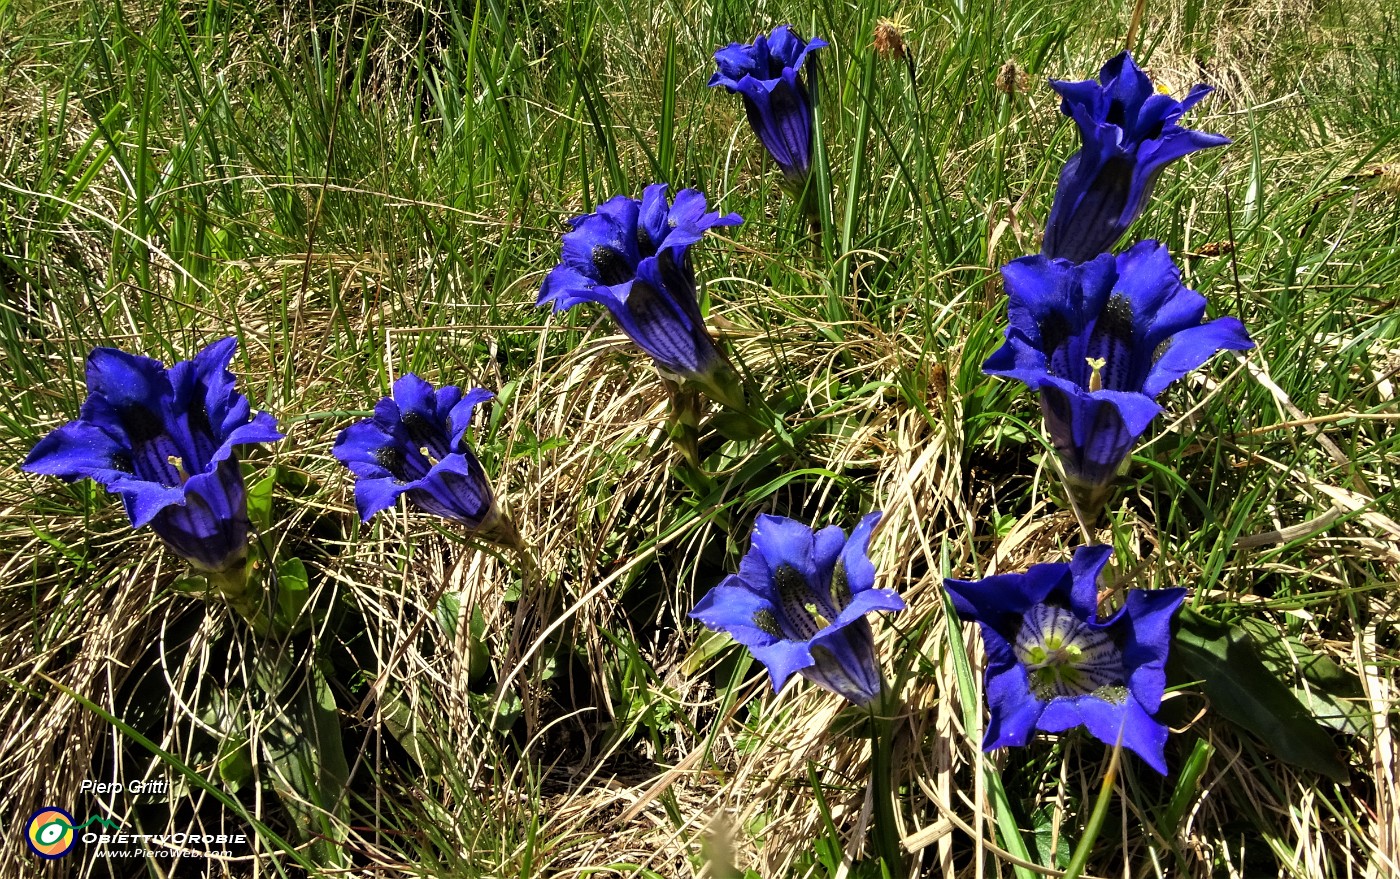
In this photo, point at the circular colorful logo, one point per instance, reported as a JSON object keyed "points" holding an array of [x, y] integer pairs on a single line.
{"points": [[50, 832]]}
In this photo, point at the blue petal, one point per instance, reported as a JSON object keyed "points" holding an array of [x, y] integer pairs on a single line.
{"points": [[127, 394], [1018, 359], [686, 221], [756, 574], [419, 413], [205, 416], [455, 488], [782, 541], [379, 447], [1085, 567], [1176, 143], [459, 419], [373, 494], [866, 602], [763, 58], [732, 607], [1151, 282], [143, 500], [780, 114], [1129, 135], [790, 50], [1095, 202], [360, 442], [565, 287], [1093, 432], [844, 662], [80, 450], [783, 659], [653, 317], [1109, 721], [414, 394], [654, 219], [1190, 348], [992, 600], [827, 545], [261, 429], [204, 383], [210, 527], [603, 245], [1146, 621], [1125, 83], [855, 558], [1013, 711], [1039, 289]]}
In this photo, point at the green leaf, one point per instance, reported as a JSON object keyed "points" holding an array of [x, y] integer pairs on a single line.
{"points": [[235, 762], [260, 502], [303, 745], [483, 705], [1333, 694], [448, 607], [1044, 832], [408, 729], [1243, 690], [735, 426], [293, 592], [478, 654], [708, 647]]}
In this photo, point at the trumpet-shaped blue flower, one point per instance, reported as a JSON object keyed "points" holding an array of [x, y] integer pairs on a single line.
{"points": [[416, 445], [1100, 341], [1129, 135], [799, 603], [164, 440], [632, 257], [1052, 664], [768, 75]]}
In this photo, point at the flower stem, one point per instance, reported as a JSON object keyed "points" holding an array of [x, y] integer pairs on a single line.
{"points": [[236, 590], [1096, 819], [885, 826]]}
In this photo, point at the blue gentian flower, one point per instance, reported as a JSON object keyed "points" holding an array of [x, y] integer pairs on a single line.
{"points": [[1129, 135], [768, 74], [1100, 341], [164, 440], [1052, 664], [799, 603], [632, 257], [416, 445]]}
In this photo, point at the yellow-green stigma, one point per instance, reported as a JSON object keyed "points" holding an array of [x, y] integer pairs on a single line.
{"points": [[179, 465], [1096, 364]]}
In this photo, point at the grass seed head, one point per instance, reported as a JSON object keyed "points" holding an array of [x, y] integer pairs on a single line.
{"points": [[889, 38]]}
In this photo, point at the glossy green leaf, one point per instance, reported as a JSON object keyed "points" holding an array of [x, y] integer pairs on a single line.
{"points": [[1333, 694], [293, 592], [260, 502], [302, 744], [1241, 689]]}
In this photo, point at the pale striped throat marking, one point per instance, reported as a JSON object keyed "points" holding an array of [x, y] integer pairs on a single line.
{"points": [[1065, 657]]}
